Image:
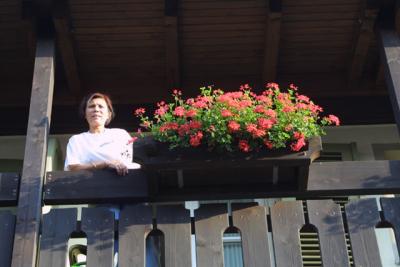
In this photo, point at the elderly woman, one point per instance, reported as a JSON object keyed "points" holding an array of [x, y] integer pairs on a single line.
{"points": [[100, 147]]}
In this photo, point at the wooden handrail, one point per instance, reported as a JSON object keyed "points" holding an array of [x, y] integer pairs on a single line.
{"points": [[325, 179]]}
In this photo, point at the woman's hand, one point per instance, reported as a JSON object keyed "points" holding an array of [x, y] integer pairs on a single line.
{"points": [[119, 166]]}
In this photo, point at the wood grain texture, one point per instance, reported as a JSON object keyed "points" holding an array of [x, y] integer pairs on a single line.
{"points": [[7, 227], [98, 225], [94, 187], [391, 211], [325, 215], [29, 201], [362, 44], [134, 225], [354, 177], [252, 223], [362, 217], [211, 221], [272, 40], [287, 219], [174, 222], [57, 228], [9, 186], [390, 56], [66, 46]]}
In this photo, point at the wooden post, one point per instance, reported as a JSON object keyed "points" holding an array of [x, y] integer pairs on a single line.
{"points": [[390, 50], [30, 197]]}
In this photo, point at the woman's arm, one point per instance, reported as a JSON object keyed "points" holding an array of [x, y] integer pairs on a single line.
{"points": [[119, 166]]}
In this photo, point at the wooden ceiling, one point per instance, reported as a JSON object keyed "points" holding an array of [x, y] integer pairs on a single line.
{"points": [[138, 50]]}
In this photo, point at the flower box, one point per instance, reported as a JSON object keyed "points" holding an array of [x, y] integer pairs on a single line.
{"points": [[201, 174]]}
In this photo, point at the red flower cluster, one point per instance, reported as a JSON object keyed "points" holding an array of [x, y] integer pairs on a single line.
{"points": [[239, 120]]}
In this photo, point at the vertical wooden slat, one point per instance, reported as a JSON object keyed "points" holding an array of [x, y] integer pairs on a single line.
{"points": [[98, 224], [391, 211], [210, 223], [174, 222], [362, 216], [390, 55], [56, 230], [287, 219], [134, 225], [29, 202], [326, 216], [7, 227], [252, 223]]}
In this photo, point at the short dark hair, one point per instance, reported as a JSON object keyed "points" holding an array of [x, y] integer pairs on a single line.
{"points": [[89, 97]]}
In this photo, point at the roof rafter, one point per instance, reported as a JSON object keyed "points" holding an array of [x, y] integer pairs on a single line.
{"points": [[272, 38]]}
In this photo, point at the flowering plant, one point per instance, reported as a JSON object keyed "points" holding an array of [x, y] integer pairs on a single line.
{"points": [[241, 120]]}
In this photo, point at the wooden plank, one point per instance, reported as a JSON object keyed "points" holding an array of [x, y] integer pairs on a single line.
{"points": [[29, 202], [56, 230], [272, 40], [66, 45], [94, 186], [363, 41], [252, 223], [326, 216], [7, 227], [391, 211], [174, 222], [134, 225], [287, 219], [211, 221], [172, 57], [98, 225], [354, 178], [362, 217], [390, 55], [9, 185]]}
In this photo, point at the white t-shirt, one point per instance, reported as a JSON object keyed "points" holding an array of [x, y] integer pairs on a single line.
{"points": [[112, 144]]}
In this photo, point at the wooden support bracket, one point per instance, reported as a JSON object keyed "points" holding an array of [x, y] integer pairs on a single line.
{"points": [[65, 45], [366, 30], [272, 39], [172, 61]]}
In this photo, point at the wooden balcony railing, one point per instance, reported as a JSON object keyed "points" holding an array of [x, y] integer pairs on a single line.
{"points": [[284, 220]]}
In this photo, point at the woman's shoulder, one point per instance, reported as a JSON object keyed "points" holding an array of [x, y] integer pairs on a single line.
{"points": [[118, 132], [76, 137]]}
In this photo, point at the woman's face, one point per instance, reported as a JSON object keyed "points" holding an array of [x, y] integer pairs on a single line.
{"points": [[97, 112]]}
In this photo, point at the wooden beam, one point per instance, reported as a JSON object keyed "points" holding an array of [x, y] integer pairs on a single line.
{"points": [[61, 187], [354, 178], [65, 45], [29, 201], [365, 34], [390, 55], [397, 16], [272, 39], [172, 61], [325, 179]]}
